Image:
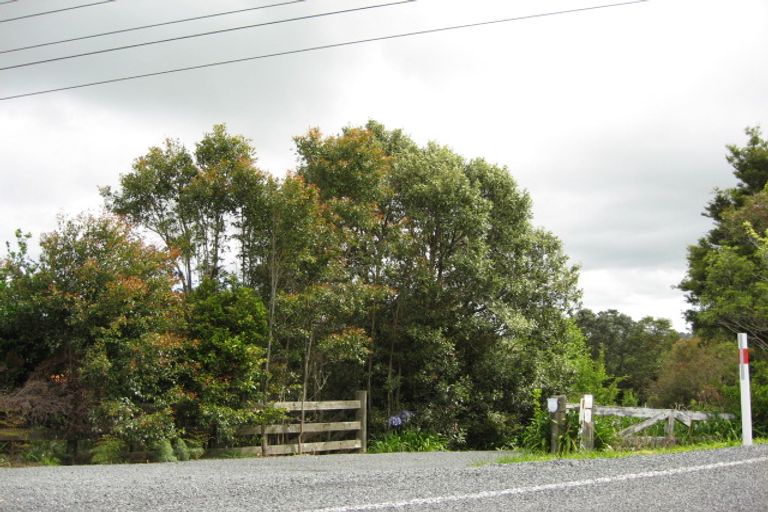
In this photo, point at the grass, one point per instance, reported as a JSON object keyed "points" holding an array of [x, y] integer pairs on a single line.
{"points": [[617, 454]]}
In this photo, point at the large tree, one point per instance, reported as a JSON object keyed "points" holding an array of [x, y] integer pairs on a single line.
{"points": [[467, 273], [727, 279]]}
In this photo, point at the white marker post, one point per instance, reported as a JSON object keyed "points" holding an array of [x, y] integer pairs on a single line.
{"points": [[587, 433], [746, 401]]}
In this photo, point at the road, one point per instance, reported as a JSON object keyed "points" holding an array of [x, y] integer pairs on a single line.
{"points": [[734, 479]]}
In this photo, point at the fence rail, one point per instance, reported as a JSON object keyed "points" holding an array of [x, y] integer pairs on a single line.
{"points": [[651, 417], [359, 426]]}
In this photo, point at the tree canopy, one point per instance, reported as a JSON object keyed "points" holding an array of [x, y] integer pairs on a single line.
{"points": [[727, 279], [378, 264]]}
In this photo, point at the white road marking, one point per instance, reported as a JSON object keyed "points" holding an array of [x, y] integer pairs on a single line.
{"points": [[437, 500]]}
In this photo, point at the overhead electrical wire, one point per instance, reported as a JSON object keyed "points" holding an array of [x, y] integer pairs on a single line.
{"points": [[143, 27], [8, 2], [55, 11], [203, 34], [321, 47]]}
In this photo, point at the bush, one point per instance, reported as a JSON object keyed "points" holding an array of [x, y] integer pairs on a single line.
{"points": [[410, 439], [195, 448], [536, 435], [162, 451], [180, 449], [47, 453], [109, 451]]}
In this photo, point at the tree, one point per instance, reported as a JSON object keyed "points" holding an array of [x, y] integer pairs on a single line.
{"points": [[103, 308], [190, 202], [471, 283], [694, 374], [633, 351], [220, 387], [725, 283], [155, 196], [286, 242]]}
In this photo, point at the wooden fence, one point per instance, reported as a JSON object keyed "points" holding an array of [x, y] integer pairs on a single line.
{"points": [[650, 418], [299, 430]]}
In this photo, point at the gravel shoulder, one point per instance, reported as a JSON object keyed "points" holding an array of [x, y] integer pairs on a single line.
{"points": [[345, 481]]}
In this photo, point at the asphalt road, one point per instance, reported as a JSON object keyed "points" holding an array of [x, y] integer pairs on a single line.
{"points": [[734, 479]]}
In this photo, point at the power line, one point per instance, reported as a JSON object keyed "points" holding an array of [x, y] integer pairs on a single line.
{"points": [[55, 11], [201, 34], [8, 2], [154, 25], [318, 48]]}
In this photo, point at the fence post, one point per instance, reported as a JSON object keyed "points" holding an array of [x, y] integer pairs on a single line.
{"points": [[362, 417], [670, 428], [587, 431], [556, 408]]}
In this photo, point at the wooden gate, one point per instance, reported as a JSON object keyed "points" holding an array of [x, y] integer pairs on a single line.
{"points": [[298, 430]]}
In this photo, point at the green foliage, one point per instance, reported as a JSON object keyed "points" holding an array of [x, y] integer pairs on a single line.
{"points": [[682, 381], [162, 451], [195, 449], [536, 434], [224, 360], [631, 351], [109, 450], [97, 300], [407, 270], [727, 271], [180, 449], [134, 424], [46, 453], [409, 439], [759, 392]]}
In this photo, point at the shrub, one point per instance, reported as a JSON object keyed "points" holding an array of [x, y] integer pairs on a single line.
{"points": [[109, 451], [536, 435], [180, 449], [47, 453], [411, 439], [162, 451], [195, 448]]}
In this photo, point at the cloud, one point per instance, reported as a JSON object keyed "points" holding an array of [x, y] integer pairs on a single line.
{"points": [[615, 120]]}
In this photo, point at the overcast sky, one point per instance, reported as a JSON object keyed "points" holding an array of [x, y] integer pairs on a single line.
{"points": [[615, 120]]}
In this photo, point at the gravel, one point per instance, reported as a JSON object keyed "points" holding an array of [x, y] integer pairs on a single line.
{"points": [[684, 481]]}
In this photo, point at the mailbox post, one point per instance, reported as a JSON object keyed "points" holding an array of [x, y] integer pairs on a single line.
{"points": [[556, 408]]}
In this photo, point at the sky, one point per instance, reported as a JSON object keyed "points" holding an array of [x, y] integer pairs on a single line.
{"points": [[615, 120]]}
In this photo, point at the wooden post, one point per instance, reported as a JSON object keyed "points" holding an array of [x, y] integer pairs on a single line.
{"points": [[587, 431], [556, 408], [264, 444], [362, 417], [670, 428]]}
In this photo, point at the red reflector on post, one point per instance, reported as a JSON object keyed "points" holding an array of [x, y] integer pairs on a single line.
{"points": [[744, 356]]}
